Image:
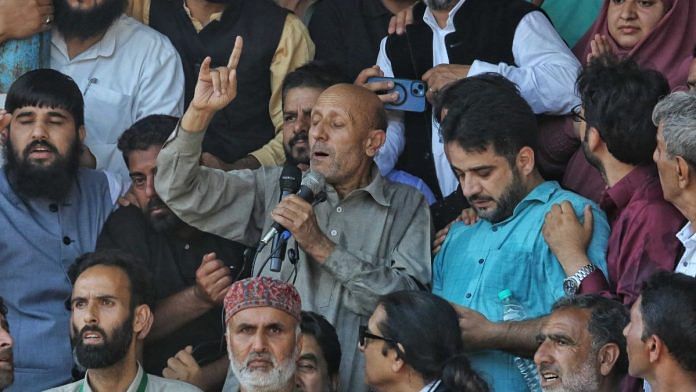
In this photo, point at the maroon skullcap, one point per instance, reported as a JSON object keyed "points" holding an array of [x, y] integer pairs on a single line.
{"points": [[262, 292]]}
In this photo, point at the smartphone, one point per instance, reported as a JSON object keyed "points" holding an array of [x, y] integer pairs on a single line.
{"points": [[411, 94]]}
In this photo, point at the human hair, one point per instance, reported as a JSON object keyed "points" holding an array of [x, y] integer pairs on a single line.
{"points": [[488, 111], [424, 331], [608, 318], [3, 308], [677, 115], [315, 74], [149, 131], [668, 309], [317, 326], [618, 97], [458, 376], [47, 88], [139, 278]]}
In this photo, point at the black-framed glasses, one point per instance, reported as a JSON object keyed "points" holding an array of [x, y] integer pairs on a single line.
{"points": [[364, 334], [577, 114]]}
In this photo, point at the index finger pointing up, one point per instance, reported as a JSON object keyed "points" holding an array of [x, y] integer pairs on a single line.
{"points": [[236, 53]]}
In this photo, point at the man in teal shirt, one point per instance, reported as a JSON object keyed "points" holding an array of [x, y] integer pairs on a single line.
{"points": [[489, 135]]}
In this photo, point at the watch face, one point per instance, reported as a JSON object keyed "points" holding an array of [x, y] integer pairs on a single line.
{"points": [[569, 287]]}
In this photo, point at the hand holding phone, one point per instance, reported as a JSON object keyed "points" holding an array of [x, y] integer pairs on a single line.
{"points": [[410, 94]]}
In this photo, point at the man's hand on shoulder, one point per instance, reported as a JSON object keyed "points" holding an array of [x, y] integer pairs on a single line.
{"points": [[23, 18], [567, 238], [398, 22]]}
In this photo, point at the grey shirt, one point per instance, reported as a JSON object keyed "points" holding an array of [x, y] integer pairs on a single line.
{"points": [[382, 234]]}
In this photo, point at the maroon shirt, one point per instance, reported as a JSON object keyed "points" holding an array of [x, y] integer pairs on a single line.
{"points": [[643, 235]]}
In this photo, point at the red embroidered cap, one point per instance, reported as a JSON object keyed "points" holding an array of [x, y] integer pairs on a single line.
{"points": [[262, 292]]}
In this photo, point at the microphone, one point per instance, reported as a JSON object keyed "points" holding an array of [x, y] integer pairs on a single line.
{"points": [[290, 179], [312, 184]]}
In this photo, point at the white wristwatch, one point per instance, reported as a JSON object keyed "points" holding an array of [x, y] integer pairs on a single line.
{"points": [[571, 284]]}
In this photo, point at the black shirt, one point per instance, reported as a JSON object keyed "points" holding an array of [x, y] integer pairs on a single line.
{"points": [[173, 263], [347, 33]]}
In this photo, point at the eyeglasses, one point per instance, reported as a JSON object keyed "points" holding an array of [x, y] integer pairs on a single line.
{"points": [[577, 114], [364, 334]]}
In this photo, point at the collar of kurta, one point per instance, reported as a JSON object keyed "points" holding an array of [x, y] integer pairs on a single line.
{"points": [[376, 188], [621, 193], [139, 383], [541, 194], [104, 48]]}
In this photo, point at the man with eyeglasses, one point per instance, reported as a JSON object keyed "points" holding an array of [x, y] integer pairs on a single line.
{"points": [[618, 139]]}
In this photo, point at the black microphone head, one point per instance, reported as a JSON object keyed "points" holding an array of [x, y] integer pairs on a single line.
{"points": [[290, 179], [314, 181]]}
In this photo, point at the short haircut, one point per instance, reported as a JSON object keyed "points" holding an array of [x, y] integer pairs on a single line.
{"points": [[618, 97], [316, 325], [489, 112], [608, 318], [47, 88], [149, 131], [677, 115], [3, 308], [668, 308], [315, 74], [139, 278]]}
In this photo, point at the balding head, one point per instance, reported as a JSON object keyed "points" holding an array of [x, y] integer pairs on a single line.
{"points": [[361, 104]]}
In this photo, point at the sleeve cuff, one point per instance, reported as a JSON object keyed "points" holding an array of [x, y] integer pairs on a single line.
{"points": [[594, 283], [479, 67]]}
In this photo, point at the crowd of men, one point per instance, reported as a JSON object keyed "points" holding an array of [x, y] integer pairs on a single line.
{"points": [[210, 195]]}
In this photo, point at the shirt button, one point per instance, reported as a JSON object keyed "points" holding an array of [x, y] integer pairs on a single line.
{"points": [[187, 247], [339, 209], [67, 240], [53, 207], [494, 229], [334, 233], [468, 295], [686, 264], [481, 261]]}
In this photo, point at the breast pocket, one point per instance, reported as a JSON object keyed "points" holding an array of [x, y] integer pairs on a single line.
{"points": [[509, 270], [107, 114]]}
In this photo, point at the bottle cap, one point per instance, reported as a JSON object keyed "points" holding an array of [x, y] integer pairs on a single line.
{"points": [[504, 294]]}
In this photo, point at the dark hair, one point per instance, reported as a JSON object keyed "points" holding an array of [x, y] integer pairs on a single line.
{"points": [[139, 278], [668, 307], [3, 308], [608, 318], [618, 97], [487, 110], [427, 327], [149, 131], [47, 88], [314, 74], [316, 325], [458, 376]]}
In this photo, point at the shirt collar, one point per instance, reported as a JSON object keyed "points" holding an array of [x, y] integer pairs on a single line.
{"points": [[105, 47], [131, 388], [622, 192], [431, 387], [542, 193], [687, 236], [430, 20], [197, 24], [376, 188]]}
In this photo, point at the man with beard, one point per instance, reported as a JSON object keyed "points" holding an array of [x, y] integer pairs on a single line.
{"points": [[193, 268], [452, 39], [619, 139], [246, 133], [124, 69], [581, 345], [51, 212], [6, 362], [264, 339], [369, 237], [490, 134], [110, 316]]}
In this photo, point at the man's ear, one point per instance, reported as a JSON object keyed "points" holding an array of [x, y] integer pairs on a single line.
{"points": [[375, 140], [526, 160], [81, 133], [397, 362], [607, 357], [683, 172], [143, 321], [592, 138], [656, 348]]}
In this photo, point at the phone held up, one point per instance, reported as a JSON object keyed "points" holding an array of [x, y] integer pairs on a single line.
{"points": [[411, 94]]}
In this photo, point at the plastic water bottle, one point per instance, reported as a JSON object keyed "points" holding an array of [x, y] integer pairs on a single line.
{"points": [[514, 311]]}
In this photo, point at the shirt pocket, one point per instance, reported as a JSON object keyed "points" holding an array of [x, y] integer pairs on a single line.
{"points": [[107, 114], [514, 271]]}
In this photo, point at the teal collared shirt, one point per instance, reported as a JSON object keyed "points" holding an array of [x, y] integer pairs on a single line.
{"points": [[478, 261]]}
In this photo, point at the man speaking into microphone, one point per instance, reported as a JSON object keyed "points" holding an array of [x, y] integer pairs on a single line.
{"points": [[368, 238]]}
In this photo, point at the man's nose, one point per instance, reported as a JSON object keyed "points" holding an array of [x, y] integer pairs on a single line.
{"points": [[5, 339], [542, 354]]}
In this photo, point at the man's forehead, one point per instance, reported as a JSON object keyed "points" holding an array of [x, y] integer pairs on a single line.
{"points": [[568, 321], [102, 280]]}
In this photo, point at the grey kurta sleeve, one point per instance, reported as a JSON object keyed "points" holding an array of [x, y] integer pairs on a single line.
{"points": [[228, 204]]}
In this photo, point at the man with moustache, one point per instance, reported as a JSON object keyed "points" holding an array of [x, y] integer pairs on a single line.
{"points": [[581, 345], [110, 316], [6, 361], [51, 212], [490, 133], [320, 359], [368, 238], [264, 339], [246, 133], [193, 268], [124, 69]]}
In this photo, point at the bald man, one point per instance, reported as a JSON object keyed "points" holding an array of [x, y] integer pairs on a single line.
{"points": [[368, 238]]}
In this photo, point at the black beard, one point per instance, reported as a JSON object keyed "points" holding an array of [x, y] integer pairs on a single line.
{"points": [[111, 351], [75, 23], [290, 158], [591, 158], [31, 181], [164, 222], [505, 205]]}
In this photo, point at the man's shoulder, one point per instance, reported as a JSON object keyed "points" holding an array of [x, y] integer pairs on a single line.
{"points": [[557, 195], [404, 195], [159, 384], [133, 34]]}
